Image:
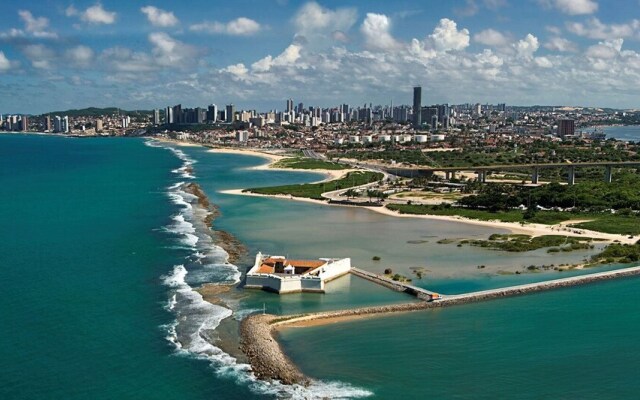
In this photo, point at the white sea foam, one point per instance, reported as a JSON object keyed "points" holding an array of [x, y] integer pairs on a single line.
{"points": [[192, 331], [176, 277]]}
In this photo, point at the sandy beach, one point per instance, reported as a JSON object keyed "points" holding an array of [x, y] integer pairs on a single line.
{"points": [[527, 229], [513, 227]]}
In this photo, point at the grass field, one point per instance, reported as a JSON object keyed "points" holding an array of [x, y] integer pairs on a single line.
{"points": [[315, 190], [308, 163]]}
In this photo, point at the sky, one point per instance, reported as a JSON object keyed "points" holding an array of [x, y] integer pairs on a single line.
{"points": [[58, 54]]}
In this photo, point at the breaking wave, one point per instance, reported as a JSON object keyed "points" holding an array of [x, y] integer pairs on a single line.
{"points": [[193, 330]]}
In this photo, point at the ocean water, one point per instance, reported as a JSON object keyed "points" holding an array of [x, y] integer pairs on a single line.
{"points": [[577, 343], [630, 133], [103, 246], [83, 310]]}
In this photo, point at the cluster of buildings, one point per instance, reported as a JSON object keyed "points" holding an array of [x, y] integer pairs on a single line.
{"points": [[14, 123]]}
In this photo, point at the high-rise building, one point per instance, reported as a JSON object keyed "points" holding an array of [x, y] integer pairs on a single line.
{"points": [[417, 106], [178, 117], [99, 127], [566, 127], [47, 123], [212, 113], [57, 124], [24, 123], [231, 111], [65, 124], [156, 117], [168, 116], [289, 105]]}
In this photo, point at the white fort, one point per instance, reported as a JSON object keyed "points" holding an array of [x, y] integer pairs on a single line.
{"points": [[282, 275]]}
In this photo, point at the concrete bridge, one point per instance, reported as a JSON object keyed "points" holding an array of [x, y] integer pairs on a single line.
{"points": [[419, 292], [482, 171], [425, 294]]}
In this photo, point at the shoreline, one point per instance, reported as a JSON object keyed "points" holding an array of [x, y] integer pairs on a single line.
{"points": [[514, 227]]}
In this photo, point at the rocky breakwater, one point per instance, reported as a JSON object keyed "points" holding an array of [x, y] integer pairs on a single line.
{"points": [[267, 359]]}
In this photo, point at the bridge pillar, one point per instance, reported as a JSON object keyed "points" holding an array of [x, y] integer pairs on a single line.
{"points": [[482, 176], [608, 175], [453, 175], [571, 179], [447, 175], [534, 176]]}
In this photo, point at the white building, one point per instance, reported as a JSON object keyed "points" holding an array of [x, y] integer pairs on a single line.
{"points": [[281, 275]]}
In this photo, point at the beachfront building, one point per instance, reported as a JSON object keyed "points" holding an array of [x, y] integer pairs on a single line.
{"points": [[282, 275]]}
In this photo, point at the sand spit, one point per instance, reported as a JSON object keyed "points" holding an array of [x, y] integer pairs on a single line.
{"points": [[269, 361]]}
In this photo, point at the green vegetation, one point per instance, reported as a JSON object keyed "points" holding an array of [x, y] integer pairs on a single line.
{"points": [[398, 278], [96, 112], [522, 243], [599, 222], [584, 196], [541, 217], [315, 190], [307, 163], [540, 151], [613, 223], [616, 252]]}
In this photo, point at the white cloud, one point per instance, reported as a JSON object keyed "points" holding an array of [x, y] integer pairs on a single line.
{"points": [[33, 24], [288, 58], [170, 52], [123, 60], [238, 71], [472, 7], [159, 17], [238, 27], [96, 14], [490, 37], [40, 56], [312, 19], [595, 29], [446, 36], [573, 7], [543, 62], [81, 56], [527, 46], [375, 30], [605, 50], [36, 27], [560, 44], [5, 64]]}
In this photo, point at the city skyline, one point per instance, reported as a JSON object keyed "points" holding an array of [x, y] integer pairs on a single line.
{"points": [[145, 55]]}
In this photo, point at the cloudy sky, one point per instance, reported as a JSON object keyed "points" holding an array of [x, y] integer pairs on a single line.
{"points": [[57, 54]]}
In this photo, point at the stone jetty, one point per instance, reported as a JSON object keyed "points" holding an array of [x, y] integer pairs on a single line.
{"points": [[269, 361]]}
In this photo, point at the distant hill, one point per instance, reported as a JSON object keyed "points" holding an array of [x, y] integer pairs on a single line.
{"points": [[96, 112]]}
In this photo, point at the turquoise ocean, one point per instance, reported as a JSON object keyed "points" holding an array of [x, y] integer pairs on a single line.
{"points": [[102, 247]]}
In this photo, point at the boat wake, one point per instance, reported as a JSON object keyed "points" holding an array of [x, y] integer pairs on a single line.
{"points": [[194, 329]]}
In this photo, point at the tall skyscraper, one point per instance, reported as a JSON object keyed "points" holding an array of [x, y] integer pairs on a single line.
{"points": [[168, 116], [417, 106], [289, 105], [231, 111], [24, 124], [156, 117], [47, 123], [212, 113]]}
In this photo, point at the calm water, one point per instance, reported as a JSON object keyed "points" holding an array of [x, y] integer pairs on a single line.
{"points": [[577, 343], [101, 250], [629, 133]]}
